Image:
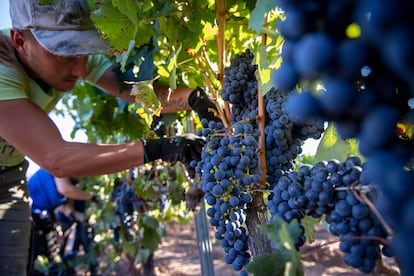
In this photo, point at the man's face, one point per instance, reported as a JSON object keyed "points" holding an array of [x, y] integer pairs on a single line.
{"points": [[57, 72]]}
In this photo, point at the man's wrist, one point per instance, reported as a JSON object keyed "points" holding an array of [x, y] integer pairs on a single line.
{"points": [[152, 149]]}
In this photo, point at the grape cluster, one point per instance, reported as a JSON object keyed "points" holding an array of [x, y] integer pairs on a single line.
{"points": [[358, 229], [360, 51], [287, 200], [127, 205], [350, 218], [229, 168], [229, 171], [332, 189], [284, 138], [240, 87]]}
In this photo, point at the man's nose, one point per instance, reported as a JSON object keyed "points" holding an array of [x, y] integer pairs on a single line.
{"points": [[79, 67]]}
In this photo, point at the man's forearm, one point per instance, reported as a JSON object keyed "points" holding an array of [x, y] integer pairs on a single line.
{"points": [[79, 159], [172, 100]]}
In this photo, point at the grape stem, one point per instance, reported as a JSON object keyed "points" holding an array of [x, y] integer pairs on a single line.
{"points": [[371, 205], [206, 58], [264, 35], [360, 193], [213, 90], [261, 118], [367, 188], [221, 22], [206, 76], [260, 190]]}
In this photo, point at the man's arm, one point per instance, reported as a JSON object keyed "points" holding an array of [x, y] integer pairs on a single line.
{"points": [[28, 128], [172, 102], [31, 132], [66, 188]]}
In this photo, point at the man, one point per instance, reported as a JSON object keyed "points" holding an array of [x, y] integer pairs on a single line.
{"points": [[47, 50]]}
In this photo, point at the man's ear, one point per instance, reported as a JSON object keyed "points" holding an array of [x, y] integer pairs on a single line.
{"points": [[18, 38]]}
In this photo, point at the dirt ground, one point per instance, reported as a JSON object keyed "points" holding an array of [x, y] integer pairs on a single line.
{"points": [[178, 256]]}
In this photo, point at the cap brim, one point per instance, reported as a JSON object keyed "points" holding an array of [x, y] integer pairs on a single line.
{"points": [[72, 42]]}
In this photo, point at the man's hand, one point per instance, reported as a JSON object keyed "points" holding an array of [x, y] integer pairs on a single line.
{"points": [[178, 148], [203, 104]]}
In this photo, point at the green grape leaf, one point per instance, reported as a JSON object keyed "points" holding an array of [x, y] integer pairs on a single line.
{"points": [[272, 230], [283, 235], [142, 255], [269, 264], [289, 233], [150, 239], [149, 222], [123, 58], [118, 29], [152, 232], [145, 189], [261, 60], [172, 67], [175, 194], [129, 8], [257, 17], [309, 223], [332, 146], [209, 31], [130, 248], [120, 23]]}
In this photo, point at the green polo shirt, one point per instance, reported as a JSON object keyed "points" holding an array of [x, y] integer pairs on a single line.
{"points": [[16, 84]]}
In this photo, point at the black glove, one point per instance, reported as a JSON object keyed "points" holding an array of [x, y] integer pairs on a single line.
{"points": [[178, 148], [201, 103]]}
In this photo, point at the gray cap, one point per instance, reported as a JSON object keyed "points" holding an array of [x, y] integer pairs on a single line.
{"points": [[63, 27]]}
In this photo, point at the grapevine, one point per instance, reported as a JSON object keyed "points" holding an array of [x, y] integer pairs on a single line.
{"points": [[348, 63], [230, 170]]}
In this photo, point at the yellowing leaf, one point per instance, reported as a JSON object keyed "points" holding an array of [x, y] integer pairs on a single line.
{"points": [[405, 131], [209, 31], [144, 115], [147, 101]]}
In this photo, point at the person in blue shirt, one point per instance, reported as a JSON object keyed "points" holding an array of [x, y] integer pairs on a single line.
{"points": [[48, 192], [56, 200]]}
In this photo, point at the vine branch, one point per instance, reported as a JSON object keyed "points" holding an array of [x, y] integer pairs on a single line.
{"points": [[262, 140], [221, 22]]}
